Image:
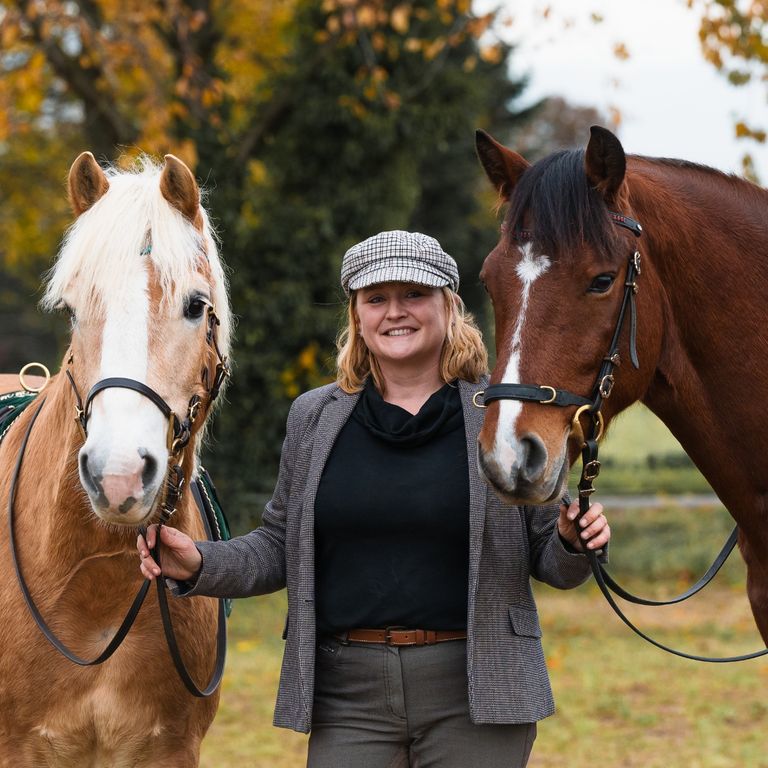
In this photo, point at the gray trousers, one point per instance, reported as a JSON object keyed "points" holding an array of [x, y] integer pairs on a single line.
{"points": [[377, 706]]}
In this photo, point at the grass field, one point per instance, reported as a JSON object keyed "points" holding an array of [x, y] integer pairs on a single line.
{"points": [[620, 702]]}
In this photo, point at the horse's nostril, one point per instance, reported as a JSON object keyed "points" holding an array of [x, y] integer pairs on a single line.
{"points": [[150, 467], [534, 459], [85, 472]]}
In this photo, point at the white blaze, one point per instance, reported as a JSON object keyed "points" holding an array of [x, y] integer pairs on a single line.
{"points": [[123, 421], [529, 269]]}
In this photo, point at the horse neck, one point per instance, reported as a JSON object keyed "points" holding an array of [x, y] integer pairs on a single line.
{"points": [[705, 237]]}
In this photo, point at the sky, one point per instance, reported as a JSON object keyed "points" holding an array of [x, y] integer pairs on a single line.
{"points": [[672, 102]]}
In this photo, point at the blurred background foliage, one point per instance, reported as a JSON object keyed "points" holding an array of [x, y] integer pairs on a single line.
{"points": [[312, 124]]}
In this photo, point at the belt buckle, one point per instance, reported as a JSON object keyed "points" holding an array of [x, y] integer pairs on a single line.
{"points": [[388, 633]]}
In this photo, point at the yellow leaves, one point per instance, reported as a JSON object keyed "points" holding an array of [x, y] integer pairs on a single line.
{"points": [[400, 18], [433, 48], [732, 36], [307, 359], [366, 17], [739, 77], [9, 33], [743, 131], [620, 51], [303, 373], [414, 44], [492, 54], [353, 105], [257, 172]]}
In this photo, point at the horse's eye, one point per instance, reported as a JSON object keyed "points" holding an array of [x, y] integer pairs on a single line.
{"points": [[64, 307], [194, 307], [601, 283]]}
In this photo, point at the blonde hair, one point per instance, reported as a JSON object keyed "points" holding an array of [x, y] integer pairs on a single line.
{"points": [[463, 355]]}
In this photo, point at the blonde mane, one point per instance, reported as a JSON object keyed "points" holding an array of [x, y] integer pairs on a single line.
{"points": [[113, 236]]}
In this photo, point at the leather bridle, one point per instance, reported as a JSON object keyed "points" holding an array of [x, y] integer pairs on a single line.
{"points": [[547, 395], [179, 435]]}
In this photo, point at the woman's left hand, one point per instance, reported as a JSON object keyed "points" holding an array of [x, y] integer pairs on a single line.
{"points": [[592, 531]]}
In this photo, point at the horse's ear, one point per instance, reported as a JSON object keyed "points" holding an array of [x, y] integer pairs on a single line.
{"points": [[179, 188], [87, 183], [502, 166], [605, 162]]}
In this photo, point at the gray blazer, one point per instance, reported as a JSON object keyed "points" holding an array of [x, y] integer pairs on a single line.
{"points": [[506, 674]]}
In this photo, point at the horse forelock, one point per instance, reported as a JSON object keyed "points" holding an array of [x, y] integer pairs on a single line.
{"points": [[112, 238], [555, 201]]}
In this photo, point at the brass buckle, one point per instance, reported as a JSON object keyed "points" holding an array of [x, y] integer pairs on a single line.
{"points": [[173, 426], [23, 372], [591, 470], [552, 390], [474, 399], [606, 385], [80, 419], [577, 429]]}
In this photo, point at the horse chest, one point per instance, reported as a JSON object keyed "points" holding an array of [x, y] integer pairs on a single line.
{"points": [[115, 724], [104, 727], [124, 713]]}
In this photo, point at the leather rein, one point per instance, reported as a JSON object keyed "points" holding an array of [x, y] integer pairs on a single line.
{"points": [[179, 435], [546, 395]]}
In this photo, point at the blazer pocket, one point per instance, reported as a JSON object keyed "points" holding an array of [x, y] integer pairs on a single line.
{"points": [[524, 621]]}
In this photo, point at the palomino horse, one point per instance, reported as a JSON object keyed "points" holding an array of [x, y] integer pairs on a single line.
{"points": [[138, 271], [557, 282]]}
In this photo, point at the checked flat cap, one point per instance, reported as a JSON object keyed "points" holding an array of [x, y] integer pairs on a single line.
{"points": [[398, 257]]}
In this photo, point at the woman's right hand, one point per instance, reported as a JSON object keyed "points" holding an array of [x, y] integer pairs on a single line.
{"points": [[181, 559]]}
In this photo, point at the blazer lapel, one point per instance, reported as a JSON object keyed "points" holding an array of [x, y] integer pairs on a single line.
{"points": [[478, 490]]}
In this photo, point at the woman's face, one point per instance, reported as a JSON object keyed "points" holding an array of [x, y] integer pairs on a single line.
{"points": [[402, 323]]}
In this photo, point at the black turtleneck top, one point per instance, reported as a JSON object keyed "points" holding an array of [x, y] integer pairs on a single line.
{"points": [[392, 518]]}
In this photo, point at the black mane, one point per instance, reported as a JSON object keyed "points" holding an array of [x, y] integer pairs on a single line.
{"points": [[554, 199]]}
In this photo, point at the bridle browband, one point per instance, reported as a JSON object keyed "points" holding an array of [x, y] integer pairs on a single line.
{"points": [[547, 395], [179, 435]]}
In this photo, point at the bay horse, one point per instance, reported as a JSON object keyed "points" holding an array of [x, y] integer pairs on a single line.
{"points": [[556, 280], [138, 271]]}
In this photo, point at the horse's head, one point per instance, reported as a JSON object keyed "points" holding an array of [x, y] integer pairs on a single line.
{"points": [[557, 282], [139, 272]]}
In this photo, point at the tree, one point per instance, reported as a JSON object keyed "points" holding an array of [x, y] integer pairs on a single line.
{"points": [[733, 40], [313, 124]]}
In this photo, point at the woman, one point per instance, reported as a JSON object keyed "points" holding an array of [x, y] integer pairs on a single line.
{"points": [[412, 634]]}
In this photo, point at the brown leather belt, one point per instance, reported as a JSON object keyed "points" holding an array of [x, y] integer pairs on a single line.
{"points": [[394, 636]]}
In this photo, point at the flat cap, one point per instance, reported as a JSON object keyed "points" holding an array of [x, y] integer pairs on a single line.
{"points": [[398, 257]]}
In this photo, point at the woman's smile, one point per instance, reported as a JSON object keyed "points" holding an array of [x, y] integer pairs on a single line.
{"points": [[412, 317]]}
